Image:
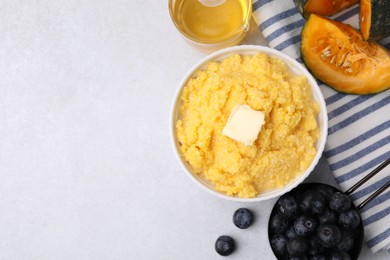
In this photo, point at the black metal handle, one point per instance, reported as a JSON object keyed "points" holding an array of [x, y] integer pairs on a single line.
{"points": [[369, 176], [374, 195], [365, 179]]}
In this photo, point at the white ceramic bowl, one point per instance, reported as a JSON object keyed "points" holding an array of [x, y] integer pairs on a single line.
{"points": [[296, 68]]}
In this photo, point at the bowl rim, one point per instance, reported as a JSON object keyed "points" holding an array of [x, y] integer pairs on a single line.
{"points": [[295, 66]]}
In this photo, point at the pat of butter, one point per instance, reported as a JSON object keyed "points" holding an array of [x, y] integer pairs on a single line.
{"points": [[244, 124]]}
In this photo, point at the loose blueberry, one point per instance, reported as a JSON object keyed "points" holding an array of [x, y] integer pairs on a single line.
{"points": [[340, 202], [278, 224], [339, 255], [346, 243], [224, 245], [349, 220], [242, 218], [312, 202], [290, 233], [287, 207], [304, 225], [297, 246], [328, 235], [278, 244], [327, 216]]}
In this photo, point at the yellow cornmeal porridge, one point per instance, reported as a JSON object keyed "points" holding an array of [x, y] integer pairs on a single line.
{"points": [[285, 146]]}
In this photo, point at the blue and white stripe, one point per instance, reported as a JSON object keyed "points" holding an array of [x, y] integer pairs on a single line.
{"points": [[359, 126]]}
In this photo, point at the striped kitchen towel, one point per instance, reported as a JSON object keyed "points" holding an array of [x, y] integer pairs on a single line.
{"points": [[359, 126]]}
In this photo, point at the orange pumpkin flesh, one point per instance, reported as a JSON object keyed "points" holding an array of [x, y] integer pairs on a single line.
{"points": [[337, 55], [374, 19], [365, 18], [326, 7]]}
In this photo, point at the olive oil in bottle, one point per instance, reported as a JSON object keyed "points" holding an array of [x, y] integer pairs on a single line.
{"points": [[211, 21]]}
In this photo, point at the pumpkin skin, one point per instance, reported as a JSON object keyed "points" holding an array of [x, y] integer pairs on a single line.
{"points": [[336, 54], [374, 19], [322, 7]]}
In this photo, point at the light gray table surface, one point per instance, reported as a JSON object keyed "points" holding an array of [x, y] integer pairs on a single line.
{"points": [[86, 164]]}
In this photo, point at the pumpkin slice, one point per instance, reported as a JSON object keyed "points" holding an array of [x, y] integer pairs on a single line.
{"points": [[337, 55], [323, 7], [374, 18]]}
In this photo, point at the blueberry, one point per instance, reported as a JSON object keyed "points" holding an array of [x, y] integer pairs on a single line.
{"points": [[315, 248], [290, 233], [339, 255], [317, 257], [297, 194], [326, 191], [224, 245], [312, 202], [327, 216], [297, 246], [242, 218], [304, 225], [340, 202], [278, 224], [346, 243], [278, 244], [287, 207], [328, 235], [349, 220], [297, 257]]}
